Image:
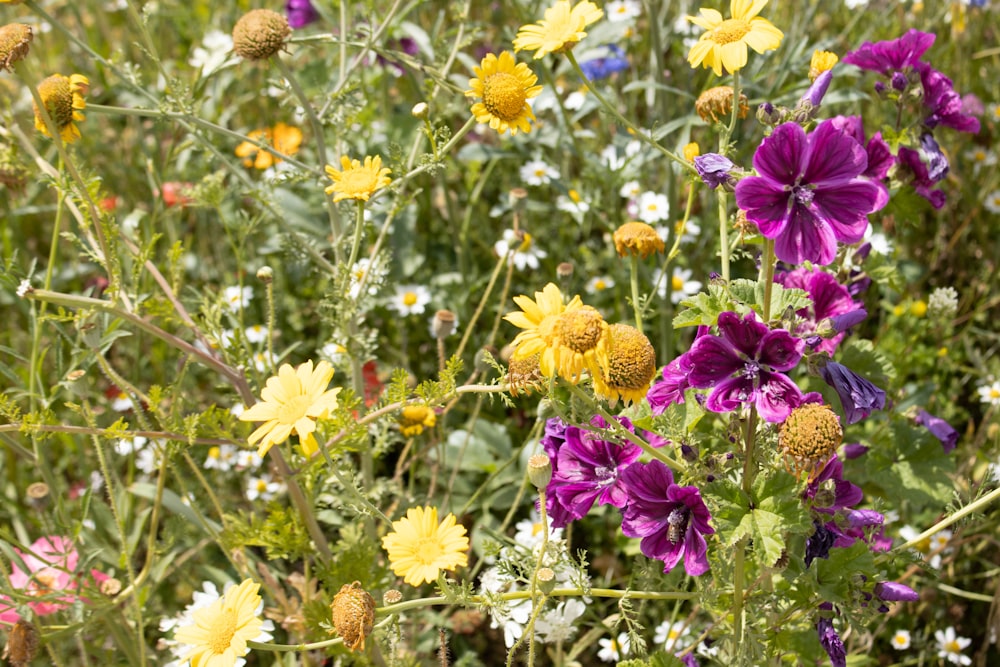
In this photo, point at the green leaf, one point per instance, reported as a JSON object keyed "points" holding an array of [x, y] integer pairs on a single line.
{"points": [[730, 510], [777, 512], [703, 308], [838, 574], [784, 299]]}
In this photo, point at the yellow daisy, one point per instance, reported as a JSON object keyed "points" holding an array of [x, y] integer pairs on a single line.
{"points": [[724, 45], [286, 140], [581, 341], [357, 181], [415, 418], [631, 366], [538, 318], [560, 30], [218, 634], [291, 402], [419, 548], [63, 99], [504, 88]]}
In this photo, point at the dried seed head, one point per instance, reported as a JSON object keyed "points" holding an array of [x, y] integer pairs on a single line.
{"points": [[14, 41], [540, 470], [260, 34], [22, 645], [637, 238], [443, 324], [809, 435], [717, 103], [353, 612], [391, 596]]}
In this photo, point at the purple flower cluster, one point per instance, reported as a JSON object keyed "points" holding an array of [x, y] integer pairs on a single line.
{"points": [[811, 191], [744, 365], [671, 520]]}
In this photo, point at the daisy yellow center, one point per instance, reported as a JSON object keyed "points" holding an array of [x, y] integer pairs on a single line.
{"points": [[504, 96], [575, 196], [900, 639], [294, 409], [980, 156], [729, 31], [994, 393], [676, 283], [953, 647], [536, 528], [221, 631], [428, 550], [214, 453], [580, 330], [674, 634], [261, 485], [409, 298], [358, 180], [600, 285]]}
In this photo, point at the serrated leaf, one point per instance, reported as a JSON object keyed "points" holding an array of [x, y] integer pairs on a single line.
{"points": [[783, 299], [768, 536], [835, 574], [703, 308], [743, 291]]}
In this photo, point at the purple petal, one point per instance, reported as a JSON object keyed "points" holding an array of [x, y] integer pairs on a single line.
{"points": [[835, 156], [743, 334], [731, 394], [804, 237], [780, 350], [890, 591], [777, 397], [712, 361], [782, 157]]}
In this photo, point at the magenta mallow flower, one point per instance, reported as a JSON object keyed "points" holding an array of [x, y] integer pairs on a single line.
{"points": [[810, 192], [858, 396], [672, 520], [892, 55], [300, 13], [586, 469], [744, 365], [670, 389], [939, 428], [880, 157], [890, 591], [913, 169], [942, 105], [829, 299]]}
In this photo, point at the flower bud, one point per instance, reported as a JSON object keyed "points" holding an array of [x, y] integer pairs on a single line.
{"points": [[443, 324], [546, 579], [420, 110], [540, 470]]}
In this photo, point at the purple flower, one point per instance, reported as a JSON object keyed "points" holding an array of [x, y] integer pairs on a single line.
{"points": [[689, 660], [880, 157], [864, 518], [588, 469], [858, 396], [854, 450], [671, 520], [845, 321], [942, 105], [939, 428], [972, 105], [818, 544], [818, 89], [713, 169], [744, 365], [604, 66], [829, 491], [919, 176], [670, 390], [893, 55], [829, 299], [300, 13], [831, 642], [810, 192], [890, 591], [937, 163]]}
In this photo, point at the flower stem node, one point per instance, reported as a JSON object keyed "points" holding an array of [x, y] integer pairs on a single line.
{"points": [[259, 34], [810, 435], [353, 612]]}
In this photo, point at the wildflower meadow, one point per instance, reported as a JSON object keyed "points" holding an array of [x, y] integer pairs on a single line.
{"points": [[556, 332]]}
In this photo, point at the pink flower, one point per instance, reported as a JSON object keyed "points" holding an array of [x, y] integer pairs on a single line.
{"points": [[51, 569]]}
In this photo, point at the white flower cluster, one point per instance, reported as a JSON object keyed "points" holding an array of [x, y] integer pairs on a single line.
{"points": [[942, 304]]}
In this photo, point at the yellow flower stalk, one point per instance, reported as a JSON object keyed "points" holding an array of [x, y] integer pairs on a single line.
{"points": [[723, 46]]}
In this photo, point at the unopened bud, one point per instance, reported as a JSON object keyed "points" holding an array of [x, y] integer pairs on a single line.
{"points": [[540, 470], [265, 274], [546, 579], [564, 270], [420, 111], [38, 495], [443, 324]]}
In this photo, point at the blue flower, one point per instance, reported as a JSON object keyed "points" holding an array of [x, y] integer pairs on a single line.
{"points": [[602, 67]]}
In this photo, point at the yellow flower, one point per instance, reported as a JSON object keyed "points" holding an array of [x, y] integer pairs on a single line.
{"points": [[560, 30], [291, 402], [357, 181], [821, 61], [419, 548], [415, 418], [631, 366], [637, 238], [286, 139], [918, 308], [538, 318], [63, 99], [505, 88], [218, 634], [581, 341], [724, 45], [691, 151]]}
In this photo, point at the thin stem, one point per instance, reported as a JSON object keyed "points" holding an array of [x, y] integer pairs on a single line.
{"points": [[767, 276], [740, 556], [949, 520], [634, 281], [724, 235]]}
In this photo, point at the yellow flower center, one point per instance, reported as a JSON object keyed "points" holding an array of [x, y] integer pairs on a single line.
{"points": [[294, 409], [504, 96], [600, 285], [676, 283], [899, 639], [214, 453], [525, 243], [980, 156], [428, 550], [261, 486], [575, 196], [729, 31], [409, 298], [994, 393], [536, 528], [358, 180], [952, 647], [221, 631], [581, 329]]}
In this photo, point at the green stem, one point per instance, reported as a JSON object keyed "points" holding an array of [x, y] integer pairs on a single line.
{"points": [[767, 276], [638, 132], [740, 556], [947, 521], [634, 281], [724, 236]]}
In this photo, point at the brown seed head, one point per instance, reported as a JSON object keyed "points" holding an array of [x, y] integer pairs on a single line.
{"points": [[14, 41], [22, 645], [260, 34], [353, 611], [717, 102]]}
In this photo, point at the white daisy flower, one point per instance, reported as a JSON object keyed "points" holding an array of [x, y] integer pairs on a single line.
{"points": [[262, 488], [247, 459], [335, 353], [672, 637], [679, 285], [256, 334], [537, 172], [558, 625], [652, 207], [237, 298], [221, 458], [630, 190], [950, 646], [599, 284], [612, 649], [992, 202], [900, 640], [410, 299], [526, 254], [622, 10], [990, 393], [529, 532], [216, 47], [121, 402]]}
